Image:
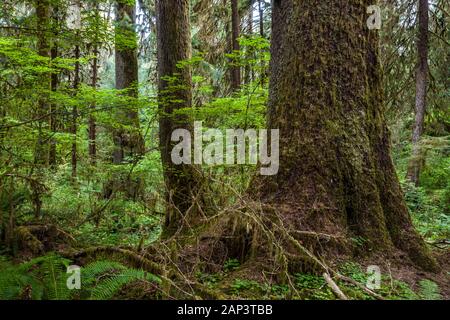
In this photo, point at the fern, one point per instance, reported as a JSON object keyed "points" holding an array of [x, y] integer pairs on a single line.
{"points": [[44, 276], [429, 290], [103, 279]]}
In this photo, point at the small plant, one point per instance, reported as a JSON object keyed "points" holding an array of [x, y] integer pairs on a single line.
{"points": [[240, 285], [42, 278], [429, 290], [231, 265]]}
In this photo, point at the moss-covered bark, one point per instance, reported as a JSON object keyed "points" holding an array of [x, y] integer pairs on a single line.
{"points": [[43, 48], [336, 175], [128, 140], [174, 45]]}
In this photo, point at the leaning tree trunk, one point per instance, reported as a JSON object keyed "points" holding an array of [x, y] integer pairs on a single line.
{"points": [[128, 140], [421, 92], [174, 45], [336, 175]]}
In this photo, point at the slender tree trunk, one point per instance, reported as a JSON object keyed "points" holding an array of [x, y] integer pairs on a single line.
{"points": [[336, 175], [174, 45], [92, 124], [43, 47], [421, 92], [53, 109], [54, 87], [235, 33], [76, 85], [261, 18], [249, 74], [261, 5], [127, 142]]}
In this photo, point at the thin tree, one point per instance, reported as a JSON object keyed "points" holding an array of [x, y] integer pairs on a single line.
{"points": [[92, 126], [43, 47], [235, 34], [54, 87], [128, 139], [421, 92], [261, 17]]}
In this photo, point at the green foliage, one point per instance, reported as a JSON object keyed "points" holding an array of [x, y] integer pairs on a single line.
{"points": [[313, 287], [240, 285], [429, 212], [40, 278], [429, 290], [101, 280], [231, 264], [45, 278]]}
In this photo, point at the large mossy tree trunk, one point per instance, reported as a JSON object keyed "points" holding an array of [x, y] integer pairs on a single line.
{"points": [[421, 91], [174, 93], [336, 174]]}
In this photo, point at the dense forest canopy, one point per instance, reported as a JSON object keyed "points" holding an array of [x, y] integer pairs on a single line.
{"points": [[220, 149]]}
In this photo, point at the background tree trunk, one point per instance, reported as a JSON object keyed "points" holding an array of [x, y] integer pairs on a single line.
{"points": [[91, 122], [261, 5], [261, 18], [127, 142], [336, 175], [421, 92], [73, 129], [235, 33], [53, 110], [174, 45], [43, 48]]}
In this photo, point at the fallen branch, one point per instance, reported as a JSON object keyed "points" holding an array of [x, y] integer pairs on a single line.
{"points": [[334, 287], [359, 285]]}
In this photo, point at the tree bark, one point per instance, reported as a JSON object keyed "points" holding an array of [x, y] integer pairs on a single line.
{"points": [[74, 127], [43, 48], [261, 18], [336, 174], [127, 142], [261, 5], [53, 109], [92, 126], [174, 45], [235, 33], [249, 72], [92, 123], [421, 92]]}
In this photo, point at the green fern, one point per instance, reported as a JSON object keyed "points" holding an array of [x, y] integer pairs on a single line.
{"points": [[44, 276], [107, 288], [103, 278], [429, 290]]}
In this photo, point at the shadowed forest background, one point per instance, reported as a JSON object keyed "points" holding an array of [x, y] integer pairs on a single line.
{"points": [[91, 92]]}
